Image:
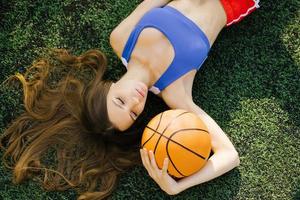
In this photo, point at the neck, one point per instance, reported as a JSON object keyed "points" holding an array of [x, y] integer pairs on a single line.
{"points": [[139, 71]]}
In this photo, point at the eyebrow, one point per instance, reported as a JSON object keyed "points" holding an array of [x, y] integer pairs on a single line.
{"points": [[122, 108]]}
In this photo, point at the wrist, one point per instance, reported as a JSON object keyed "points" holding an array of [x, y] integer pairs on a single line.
{"points": [[183, 184]]}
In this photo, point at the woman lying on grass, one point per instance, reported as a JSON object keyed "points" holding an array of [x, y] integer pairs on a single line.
{"points": [[88, 123]]}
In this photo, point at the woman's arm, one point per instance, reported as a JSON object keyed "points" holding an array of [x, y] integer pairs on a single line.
{"points": [[225, 156]]}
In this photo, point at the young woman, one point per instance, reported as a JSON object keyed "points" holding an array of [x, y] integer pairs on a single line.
{"points": [[88, 124], [163, 44]]}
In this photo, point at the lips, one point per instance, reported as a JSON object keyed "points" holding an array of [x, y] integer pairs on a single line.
{"points": [[141, 92]]}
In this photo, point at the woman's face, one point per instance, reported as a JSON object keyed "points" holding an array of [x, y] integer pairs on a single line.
{"points": [[125, 102]]}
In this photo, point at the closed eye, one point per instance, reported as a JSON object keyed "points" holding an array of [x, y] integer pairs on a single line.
{"points": [[133, 115], [136, 115], [120, 100]]}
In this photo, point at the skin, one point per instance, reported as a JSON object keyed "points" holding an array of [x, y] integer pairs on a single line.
{"points": [[142, 72]]}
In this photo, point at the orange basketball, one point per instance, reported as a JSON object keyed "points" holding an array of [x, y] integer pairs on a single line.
{"points": [[182, 137]]}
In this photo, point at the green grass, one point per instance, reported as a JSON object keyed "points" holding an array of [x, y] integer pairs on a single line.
{"points": [[250, 85]]}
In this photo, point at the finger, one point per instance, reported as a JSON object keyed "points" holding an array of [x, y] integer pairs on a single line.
{"points": [[146, 159], [152, 159], [142, 156], [165, 166], [147, 163], [155, 170]]}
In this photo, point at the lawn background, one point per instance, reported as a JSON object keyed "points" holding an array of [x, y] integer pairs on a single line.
{"points": [[250, 85]]}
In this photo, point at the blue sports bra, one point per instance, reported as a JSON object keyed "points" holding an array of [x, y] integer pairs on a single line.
{"points": [[191, 46]]}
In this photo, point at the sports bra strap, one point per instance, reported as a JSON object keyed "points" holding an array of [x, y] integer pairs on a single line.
{"points": [[130, 44]]}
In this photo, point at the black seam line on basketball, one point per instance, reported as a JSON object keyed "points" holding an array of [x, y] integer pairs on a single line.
{"points": [[172, 161], [197, 129], [153, 130], [183, 147], [169, 139], [167, 145], [166, 129], [162, 134]]}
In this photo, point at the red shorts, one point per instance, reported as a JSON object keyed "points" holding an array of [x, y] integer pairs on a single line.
{"points": [[236, 10]]}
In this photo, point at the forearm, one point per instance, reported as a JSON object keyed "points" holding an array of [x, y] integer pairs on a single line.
{"points": [[217, 165]]}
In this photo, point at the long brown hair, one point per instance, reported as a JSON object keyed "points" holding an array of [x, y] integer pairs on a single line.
{"points": [[66, 122]]}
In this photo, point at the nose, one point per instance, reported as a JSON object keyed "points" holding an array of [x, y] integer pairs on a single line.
{"points": [[135, 100], [133, 103]]}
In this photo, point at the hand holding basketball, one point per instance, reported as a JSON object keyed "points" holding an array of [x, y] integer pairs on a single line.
{"points": [[161, 176], [180, 136]]}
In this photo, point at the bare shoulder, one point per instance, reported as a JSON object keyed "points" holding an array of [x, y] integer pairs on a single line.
{"points": [[176, 96]]}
